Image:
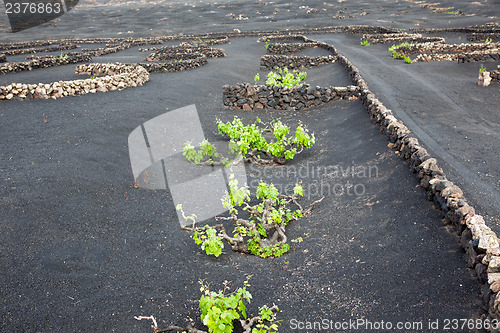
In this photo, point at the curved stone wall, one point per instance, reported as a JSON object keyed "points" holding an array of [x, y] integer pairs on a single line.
{"points": [[117, 77]]}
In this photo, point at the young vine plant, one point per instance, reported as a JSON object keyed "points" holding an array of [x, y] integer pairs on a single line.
{"points": [[260, 143], [262, 233], [284, 78], [221, 309]]}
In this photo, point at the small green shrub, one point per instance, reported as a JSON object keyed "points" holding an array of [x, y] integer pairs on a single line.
{"points": [[220, 310], [407, 59], [250, 142], [394, 47], [365, 43], [285, 78], [397, 55], [481, 69], [263, 233]]}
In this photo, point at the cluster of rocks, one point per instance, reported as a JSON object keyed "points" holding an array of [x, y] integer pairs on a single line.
{"points": [[479, 241], [120, 46], [486, 78], [23, 45], [295, 62], [179, 58], [441, 48], [62, 47], [400, 38], [482, 36], [428, 5], [495, 75], [448, 10], [35, 62], [117, 77], [100, 51], [282, 39], [244, 96]]}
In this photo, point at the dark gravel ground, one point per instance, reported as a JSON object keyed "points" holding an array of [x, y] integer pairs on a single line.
{"points": [[80, 250]]}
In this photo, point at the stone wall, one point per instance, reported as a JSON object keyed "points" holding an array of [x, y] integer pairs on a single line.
{"points": [[117, 77], [493, 55], [464, 52], [100, 51], [294, 62], [44, 62], [177, 52], [486, 55], [442, 48], [175, 66], [206, 41], [245, 96], [397, 38], [495, 75], [486, 28], [482, 36], [282, 48], [62, 47], [179, 58]]}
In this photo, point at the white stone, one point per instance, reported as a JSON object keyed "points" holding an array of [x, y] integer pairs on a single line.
{"points": [[484, 79]]}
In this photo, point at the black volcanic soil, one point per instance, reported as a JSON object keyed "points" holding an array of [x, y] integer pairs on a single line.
{"points": [[81, 250]]}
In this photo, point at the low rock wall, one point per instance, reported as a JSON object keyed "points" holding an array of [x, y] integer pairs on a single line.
{"points": [[442, 48], [294, 62], [493, 55], [482, 37], [352, 29], [282, 48], [44, 62], [174, 66], [245, 96], [485, 28], [206, 42], [177, 52], [62, 47], [486, 55], [395, 38], [117, 77]]}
